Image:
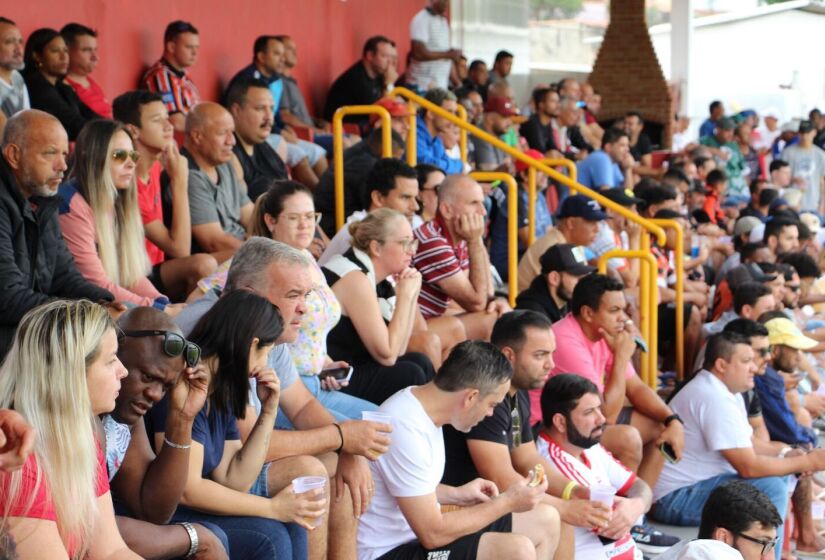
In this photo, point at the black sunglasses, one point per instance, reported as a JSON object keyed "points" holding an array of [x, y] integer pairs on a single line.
{"points": [[174, 344]]}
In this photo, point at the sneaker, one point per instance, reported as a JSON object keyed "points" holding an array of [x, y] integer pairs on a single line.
{"points": [[650, 540]]}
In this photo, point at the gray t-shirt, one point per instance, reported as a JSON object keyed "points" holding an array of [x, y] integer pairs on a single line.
{"points": [[484, 153], [809, 166], [293, 100], [222, 202], [14, 97]]}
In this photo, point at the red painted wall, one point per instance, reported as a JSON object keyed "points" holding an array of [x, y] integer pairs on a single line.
{"points": [[329, 34]]}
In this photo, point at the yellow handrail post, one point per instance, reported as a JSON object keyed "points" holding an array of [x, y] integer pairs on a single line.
{"points": [[338, 148], [412, 146], [462, 133], [531, 205], [512, 226], [572, 171], [680, 293]]}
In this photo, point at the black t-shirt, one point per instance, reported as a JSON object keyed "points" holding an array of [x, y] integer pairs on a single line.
{"points": [[260, 169], [752, 403], [354, 87], [537, 298], [539, 136], [642, 147], [498, 428]]}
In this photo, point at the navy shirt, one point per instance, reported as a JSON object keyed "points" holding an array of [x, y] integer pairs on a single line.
{"points": [[779, 419]]}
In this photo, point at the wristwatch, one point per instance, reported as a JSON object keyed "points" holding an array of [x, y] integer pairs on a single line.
{"points": [[193, 539], [673, 417]]}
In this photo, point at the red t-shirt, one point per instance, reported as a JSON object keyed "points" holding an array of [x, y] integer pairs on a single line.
{"points": [[92, 96], [151, 210]]}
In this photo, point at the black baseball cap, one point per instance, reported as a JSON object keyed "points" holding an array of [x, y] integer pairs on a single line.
{"points": [[565, 257], [621, 196], [579, 206]]}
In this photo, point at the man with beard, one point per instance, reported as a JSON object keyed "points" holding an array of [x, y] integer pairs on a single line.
{"points": [[561, 268], [14, 96], [538, 130], [35, 265], [496, 121], [570, 442], [148, 487]]}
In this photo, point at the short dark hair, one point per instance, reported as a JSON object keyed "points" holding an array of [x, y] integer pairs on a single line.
{"points": [[748, 293], [475, 64], [539, 94], [501, 55], [754, 185], [777, 164], [589, 291], [178, 27], [71, 31], [371, 46], [736, 506], [424, 170], [236, 95], [786, 270], [375, 140], [127, 106], [261, 44], [383, 175], [657, 193], [746, 327], [774, 227], [717, 177], [474, 364], [612, 135], [802, 262], [636, 114], [722, 345], [766, 196], [227, 331], [748, 249], [674, 176], [511, 328], [6, 20], [714, 105], [772, 314], [701, 161], [561, 395]]}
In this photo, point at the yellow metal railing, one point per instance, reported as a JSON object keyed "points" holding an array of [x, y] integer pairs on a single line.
{"points": [[531, 191], [462, 133], [679, 251], [512, 226], [338, 148]]}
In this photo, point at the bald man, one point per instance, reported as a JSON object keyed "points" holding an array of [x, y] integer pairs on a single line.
{"points": [[148, 487], [220, 209], [35, 265]]}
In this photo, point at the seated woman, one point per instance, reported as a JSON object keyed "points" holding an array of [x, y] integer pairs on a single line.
{"points": [[377, 319], [47, 63], [229, 483], [100, 218], [61, 373]]}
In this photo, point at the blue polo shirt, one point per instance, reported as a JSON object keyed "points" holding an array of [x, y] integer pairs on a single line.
{"points": [[598, 170], [779, 419], [430, 149]]}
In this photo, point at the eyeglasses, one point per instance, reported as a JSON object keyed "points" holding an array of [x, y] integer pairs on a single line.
{"points": [[120, 156], [515, 422], [295, 218], [792, 287], [174, 344], [434, 189], [764, 352], [767, 544], [408, 245]]}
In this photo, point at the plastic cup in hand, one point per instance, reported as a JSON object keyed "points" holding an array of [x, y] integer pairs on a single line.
{"points": [[375, 416], [305, 484], [602, 493]]}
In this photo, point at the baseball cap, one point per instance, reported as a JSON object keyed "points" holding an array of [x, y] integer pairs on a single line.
{"points": [[623, 197], [726, 123], [395, 107], [785, 332], [811, 221], [791, 126], [565, 257], [531, 153], [500, 105], [579, 206], [770, 113], [745, 224], [805, 126]]}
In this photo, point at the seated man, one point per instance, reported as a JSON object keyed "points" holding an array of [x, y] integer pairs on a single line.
{"points": [[738, 522], [14, 96], [405, 519], [562, 266], [220, 208], [453, 260], [569, 441], [495, 121], [36, 265], [250, 102], [147, 486], [429, 147], [609, 167], [82, 43], [718, 439], [596, 341]]}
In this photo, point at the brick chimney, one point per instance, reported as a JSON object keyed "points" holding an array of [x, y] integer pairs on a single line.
{"points": [[627, 73]]}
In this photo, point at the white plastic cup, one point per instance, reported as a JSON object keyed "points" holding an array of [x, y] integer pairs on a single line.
{"points": [[305, 484], [602, 493], [375, 416]]}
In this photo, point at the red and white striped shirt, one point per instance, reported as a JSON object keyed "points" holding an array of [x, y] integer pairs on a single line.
{"points": [[175, 87], [437, 258]]}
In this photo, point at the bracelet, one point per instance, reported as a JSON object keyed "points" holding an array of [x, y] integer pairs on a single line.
{"points": [[193, 538], [565, 495], [175, 445], [673, 417], [340, 433], [784, 451]]}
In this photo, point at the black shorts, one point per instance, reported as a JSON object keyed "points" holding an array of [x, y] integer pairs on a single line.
{"points": [[465, 548], [156, 279], [667, 323]]}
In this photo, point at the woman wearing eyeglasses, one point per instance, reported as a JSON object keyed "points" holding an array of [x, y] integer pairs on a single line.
{"points": [[62, 373], [229, 483], [100, 217], [377, 319]]}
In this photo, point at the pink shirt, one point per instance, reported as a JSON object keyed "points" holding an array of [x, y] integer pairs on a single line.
{"points": [[575, 353]]}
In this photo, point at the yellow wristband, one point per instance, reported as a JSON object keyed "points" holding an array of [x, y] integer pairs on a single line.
{"points": [[565, 495]]}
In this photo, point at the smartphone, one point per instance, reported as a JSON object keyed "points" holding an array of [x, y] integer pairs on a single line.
{"points": [[667, 450], [340, 374]]}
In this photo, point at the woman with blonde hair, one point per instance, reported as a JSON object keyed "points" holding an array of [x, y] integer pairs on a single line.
{"points": [[60, 374], [100, 217], [377, 318]]}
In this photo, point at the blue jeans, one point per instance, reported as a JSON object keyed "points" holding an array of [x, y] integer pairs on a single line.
{"points": [[684, 506]]}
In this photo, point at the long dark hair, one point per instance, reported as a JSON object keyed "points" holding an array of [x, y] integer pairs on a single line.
{"points": [[227, 331], [36, 42]]}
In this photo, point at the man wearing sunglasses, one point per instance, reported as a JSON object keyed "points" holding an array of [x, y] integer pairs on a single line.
{"points": [[145, 486]]}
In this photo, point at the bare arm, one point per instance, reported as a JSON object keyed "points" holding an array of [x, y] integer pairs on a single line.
{"points": [[213, 239], [750, 465], [422, 53], [106, 542], [177, 241]]}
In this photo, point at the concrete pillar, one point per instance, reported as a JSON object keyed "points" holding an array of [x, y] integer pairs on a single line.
{"points": [[681, 41]]}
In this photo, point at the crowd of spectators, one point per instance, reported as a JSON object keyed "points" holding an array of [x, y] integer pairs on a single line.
{"points": [[197, 364]]}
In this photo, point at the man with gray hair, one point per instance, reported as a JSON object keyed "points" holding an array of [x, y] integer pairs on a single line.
{"points": [[35, 265], [282, 275], [429, 147]]}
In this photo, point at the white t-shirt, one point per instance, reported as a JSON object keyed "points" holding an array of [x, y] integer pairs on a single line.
{"points": [[808, 167], [412, 467], [596, 467], [715, 419], [434, 32]]}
